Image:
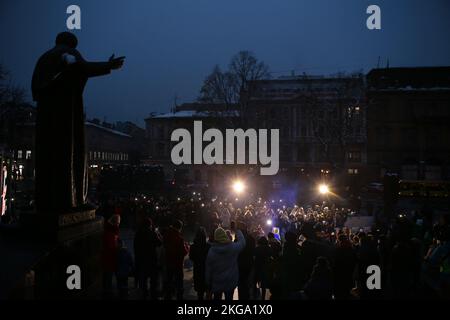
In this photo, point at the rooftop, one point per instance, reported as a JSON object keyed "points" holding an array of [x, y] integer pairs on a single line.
{"points": [[88, 123], [196, 114], [409, 79]]}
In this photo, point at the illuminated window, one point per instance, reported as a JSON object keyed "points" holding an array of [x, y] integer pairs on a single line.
{"points": [[354, 156], [19, 154], [28, 154], [352, 171]]}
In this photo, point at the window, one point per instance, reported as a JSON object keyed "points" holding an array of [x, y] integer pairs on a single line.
{"points": [[354, 156], [28, 154], [160, 132], [19, 154], [321, 114], [304, 132], [160, 149], [321, 131], [352, 171]]}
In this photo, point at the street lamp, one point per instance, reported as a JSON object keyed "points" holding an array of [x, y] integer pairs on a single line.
{"points": [[238, 186], [323, 189]]}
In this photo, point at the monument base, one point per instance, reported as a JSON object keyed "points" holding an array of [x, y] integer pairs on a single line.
{"points": [[74, 239]]}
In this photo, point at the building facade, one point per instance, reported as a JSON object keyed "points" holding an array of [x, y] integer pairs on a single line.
{"points": [[408, 122], [321, 122], [107, 146], [160, 127]]}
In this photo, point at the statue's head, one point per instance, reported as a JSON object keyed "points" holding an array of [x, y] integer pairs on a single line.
{"points": [[67, 38]]}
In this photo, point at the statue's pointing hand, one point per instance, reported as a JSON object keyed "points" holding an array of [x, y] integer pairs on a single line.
{"points": [[116, 63]]}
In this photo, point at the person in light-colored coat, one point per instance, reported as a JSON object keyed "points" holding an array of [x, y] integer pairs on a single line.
{"points": [[222, 273]]}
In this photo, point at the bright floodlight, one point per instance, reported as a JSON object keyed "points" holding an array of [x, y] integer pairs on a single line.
{"points": [[238, 187], [323, 189], [269, 222]]}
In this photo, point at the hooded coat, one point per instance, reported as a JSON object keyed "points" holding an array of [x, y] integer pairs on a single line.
{"points": [[222, 273]]}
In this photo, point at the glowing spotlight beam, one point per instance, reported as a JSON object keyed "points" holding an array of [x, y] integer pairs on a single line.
{"points": [[323, 189], [238, 187]]}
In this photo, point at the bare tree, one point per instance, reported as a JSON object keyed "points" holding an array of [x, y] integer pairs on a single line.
{"points": [[246, 67], [12, 102], [338, 122], [3, 84], [10, 94], [220, 87], [231, 87]]}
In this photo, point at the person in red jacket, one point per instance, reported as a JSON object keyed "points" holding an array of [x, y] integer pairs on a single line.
{"points": [[109, 253], [175, 251]]}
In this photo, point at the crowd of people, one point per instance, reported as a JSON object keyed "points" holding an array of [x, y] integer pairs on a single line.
{"points": [[270, 249]]}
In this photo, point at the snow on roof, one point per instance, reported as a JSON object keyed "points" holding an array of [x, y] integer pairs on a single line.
{"points": [[410, 88], [197, 114], [107, 129]]}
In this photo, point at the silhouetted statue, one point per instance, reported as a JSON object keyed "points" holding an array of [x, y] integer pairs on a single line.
{"points": [[58, 82]]}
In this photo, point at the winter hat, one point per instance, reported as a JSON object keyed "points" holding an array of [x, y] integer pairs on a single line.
{"points": [[220, 236]]}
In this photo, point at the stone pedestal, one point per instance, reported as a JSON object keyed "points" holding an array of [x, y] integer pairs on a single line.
{"points": [[74, 238]]}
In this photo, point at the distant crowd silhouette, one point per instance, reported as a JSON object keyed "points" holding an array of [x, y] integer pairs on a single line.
{"points": [[234, 251]]}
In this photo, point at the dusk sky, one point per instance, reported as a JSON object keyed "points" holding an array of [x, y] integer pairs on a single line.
{"points": [[172, 45]]}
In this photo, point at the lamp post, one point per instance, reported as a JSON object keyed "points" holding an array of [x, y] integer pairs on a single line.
{"points": [[323, 189], [238, 187]]}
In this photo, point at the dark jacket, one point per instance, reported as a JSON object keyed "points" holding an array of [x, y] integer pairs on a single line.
{"points": [[175, 249], [198, 253], [292, 270], [320, 286], [344, 267], [110, 247], [245, 259], [124, 263], [263, 255], [146, 242]]}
